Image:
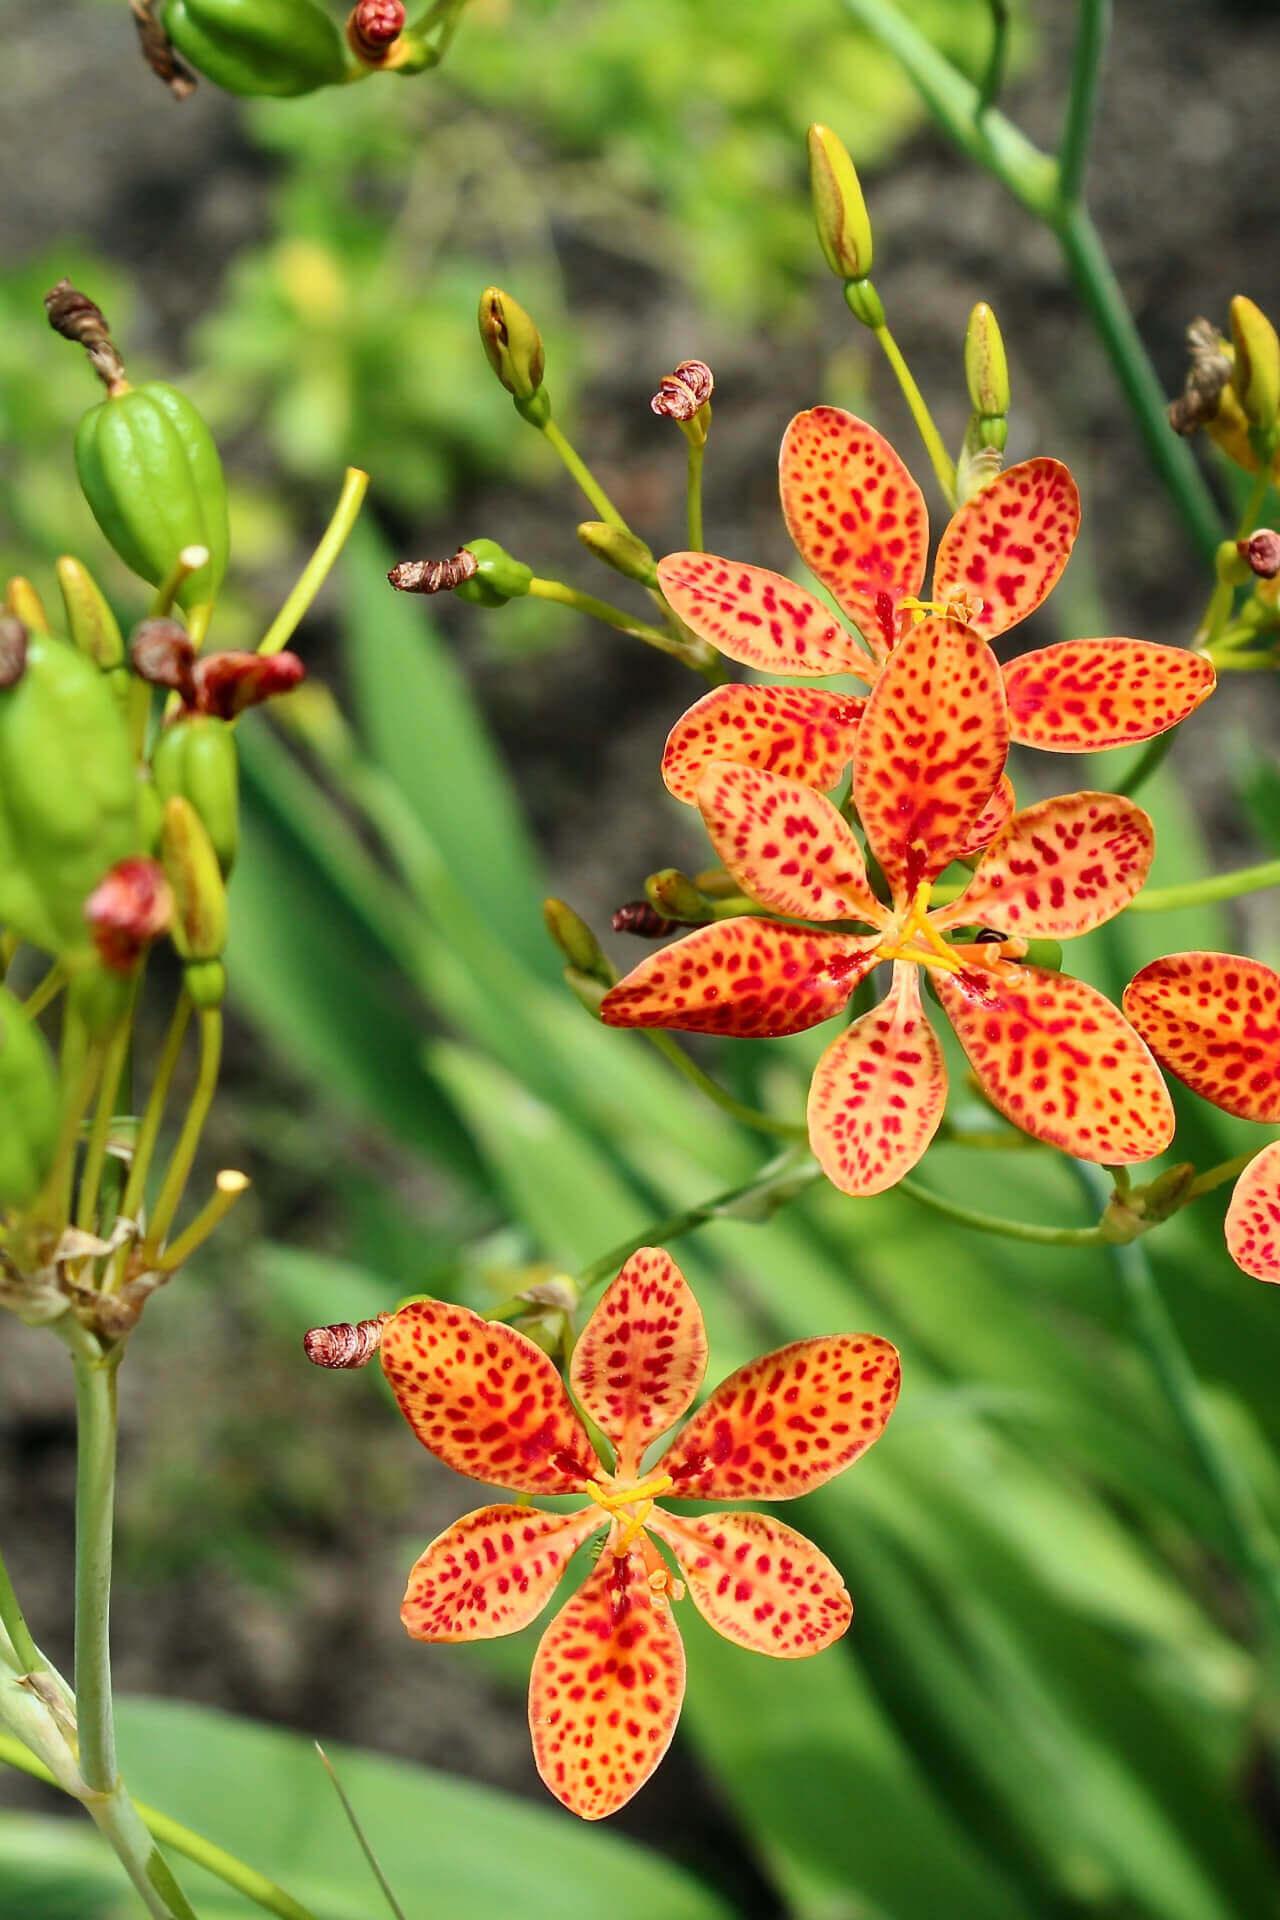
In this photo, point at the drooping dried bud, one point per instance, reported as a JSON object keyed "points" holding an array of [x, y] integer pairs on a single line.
{"points": [[227, 684], [345, 1345], [75, 316], [642, 919], [1256, 375], [163, 654], [685, 392], [373, 27], [620, 549], [1261, 552], [1207, 376], [512, 344], [433, 576], [839, 210], [13, 650], [160, 53], [127, 910], [576, 941]]}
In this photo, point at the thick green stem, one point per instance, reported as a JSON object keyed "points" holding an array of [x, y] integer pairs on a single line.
{"points": [[313, 576], [95, 1379], [994, 1223], [1215, 886], [583, 476], [943, 465], [1086, 74]]}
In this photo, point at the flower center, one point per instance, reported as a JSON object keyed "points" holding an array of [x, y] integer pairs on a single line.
{"points": [[631, 1504], [960, 607], [914, 939]]}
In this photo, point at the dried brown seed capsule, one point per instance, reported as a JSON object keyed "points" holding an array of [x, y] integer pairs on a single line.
{"points": [[1261, 551], [13, 650], [345, 1345], [685, 392], [433, 576], [638, 917], [163, 653]]}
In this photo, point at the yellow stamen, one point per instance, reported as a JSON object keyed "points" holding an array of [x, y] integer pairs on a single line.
{"points": [[625, 1500]]}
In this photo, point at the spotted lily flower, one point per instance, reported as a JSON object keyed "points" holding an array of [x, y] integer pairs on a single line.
{"points": [[928, 759], [1213, 1019], [860, 524], [608, 1676]]}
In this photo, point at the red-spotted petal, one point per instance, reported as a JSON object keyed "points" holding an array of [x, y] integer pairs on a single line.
{"points": [[1058, 1060], [1253, 1217], [787, 846], [878, 1093], [1214, 1020], [930, 751], [641, 1356], [787, 1422], [993, 820], [1059, 868], [1006, 546], [758, 1582], [751, 978], [607, 1686], [801, 733], [485, 1400], [857, 517], [1080, 696], [492, 1572], [758, 617]]}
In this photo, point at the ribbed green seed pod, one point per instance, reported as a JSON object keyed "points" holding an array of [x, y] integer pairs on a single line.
{"points": [[196, 758], [279, 47], [29, 1105]]}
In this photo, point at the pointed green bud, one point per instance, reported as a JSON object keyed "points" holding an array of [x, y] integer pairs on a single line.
{"points": [[512, 343], [199, 928], [1256, 375], [625, 552], [90, 621], [864, 303], [839, 210], [986, 373], [673, 894], [496, 569], [576, 941]]}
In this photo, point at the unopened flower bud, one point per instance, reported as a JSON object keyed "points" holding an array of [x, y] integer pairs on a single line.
{"points": [[844, 230], [228, 684], [496, 569], [620, 549], [90, 621], [163, 653], [373, 27], [576, 941], [433, 576], [641, 918], [1256, 374], [673, 895], [683, 395], [986, 372], [345, 1345], [199, 891], [1260, 552], [25, 604], [512, 344], [13, 650], [128, 910]]}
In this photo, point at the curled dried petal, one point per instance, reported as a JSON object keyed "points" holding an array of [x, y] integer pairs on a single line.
{"points": [[345, 1345], [685, 392], [434, 576]]}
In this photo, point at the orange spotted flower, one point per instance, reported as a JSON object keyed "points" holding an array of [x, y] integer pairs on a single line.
{"points": [[1213, 1019], [928, 787], [608, 1676], [860, 524]]}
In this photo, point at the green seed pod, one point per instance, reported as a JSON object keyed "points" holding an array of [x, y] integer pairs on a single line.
{"points": [[29, 1105], [206, 982], [90, 622], [68, 795], [280, 47], [152, 476], [196, 758], [498, 570], [199, 894]]}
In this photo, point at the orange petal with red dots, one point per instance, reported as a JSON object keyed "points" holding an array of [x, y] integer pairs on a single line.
{"points": [[492, 1572], [801, 733], [1059, 869], [607, 1687], [930, 751], [1058, 1060], [787, 1422], [641, 1356], [878, 1093], [1080, 696], [485, 1400], [857, 517], [1006, 546], [751, 978], [787, 846], [758, 617], [759, 1583], [1214, 1020], [994, 818], [1253, 1218]]}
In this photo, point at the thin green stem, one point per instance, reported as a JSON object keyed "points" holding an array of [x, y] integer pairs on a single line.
{"points": [[1252, 1538], [1222, 1174], [375, 1865], [179, 1170], [1082, 102], [672, 1051], [15, 1625], [96, 1153], [697, 453], [755, 1200], [695, 654], [943, 465], [171, 1833], [79, 1072], [313, 576], [45, 991], [149, 1130], [993, 1223], [229, 1188], [1147, 764], [583, 476], [1215, 886], [987, 1139]]}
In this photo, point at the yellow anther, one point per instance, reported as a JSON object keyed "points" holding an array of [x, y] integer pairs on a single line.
{"points": [[615, 1499]]}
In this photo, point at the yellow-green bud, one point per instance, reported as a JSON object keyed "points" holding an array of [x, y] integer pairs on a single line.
{"points": [[1256, 375], [625, 552], [674, 895], [90, 621], [191, 867], [864, 303], [25, 604], [512, 343], [844, 230], [986, 369], [576, 941]]}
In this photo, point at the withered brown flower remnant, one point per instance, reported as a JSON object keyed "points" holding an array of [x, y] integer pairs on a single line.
{"points": [[13, 650], [1207, 375], [683, 394], [131, 907], [76, 317], [433, 576], [1261, 553], [160, 53], [644, 920], [345, 1345]]}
